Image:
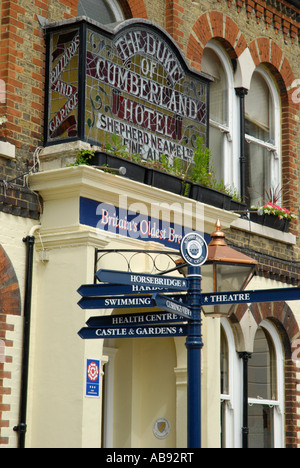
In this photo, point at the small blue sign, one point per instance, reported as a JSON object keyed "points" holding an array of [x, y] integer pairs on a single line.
{"points": [[194, 249], [170, 305], [92, 378]]}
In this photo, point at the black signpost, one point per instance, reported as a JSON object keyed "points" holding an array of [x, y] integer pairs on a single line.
{"points": [[180, 314]]}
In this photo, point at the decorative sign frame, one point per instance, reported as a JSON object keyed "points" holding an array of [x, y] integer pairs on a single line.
{"points": [[131, 81]]}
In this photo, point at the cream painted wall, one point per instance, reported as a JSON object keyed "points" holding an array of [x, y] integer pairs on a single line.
{"points": [[59, 414], [148, 373], [144, 391]]}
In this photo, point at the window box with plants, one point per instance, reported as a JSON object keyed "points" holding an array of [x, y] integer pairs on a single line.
{"points": [[195, 180], [273, 216], [115, 156], [168, 176], [205, 187], [160, 174]]}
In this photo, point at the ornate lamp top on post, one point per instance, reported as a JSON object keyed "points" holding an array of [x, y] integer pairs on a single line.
{"points": [[219, 251], [226, 269]]}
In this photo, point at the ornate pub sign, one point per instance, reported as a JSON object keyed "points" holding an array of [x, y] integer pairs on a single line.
{"points": [[131, 81]]}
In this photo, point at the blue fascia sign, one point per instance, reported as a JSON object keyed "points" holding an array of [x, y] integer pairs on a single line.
{"points": [[115, 220]]}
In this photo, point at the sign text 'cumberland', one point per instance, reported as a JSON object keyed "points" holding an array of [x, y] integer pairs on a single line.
{"points": [[137, 86]]}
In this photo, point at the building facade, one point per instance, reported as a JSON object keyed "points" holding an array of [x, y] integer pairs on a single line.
{"points": [[150, 76]]}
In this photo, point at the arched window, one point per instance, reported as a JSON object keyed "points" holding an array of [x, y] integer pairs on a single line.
{"points": [[265, 390], [223, 129], [262, 109], [102, 11]]}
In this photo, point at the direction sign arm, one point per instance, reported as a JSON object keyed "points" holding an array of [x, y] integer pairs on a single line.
{"points": [[249, 297], [125, 278]]}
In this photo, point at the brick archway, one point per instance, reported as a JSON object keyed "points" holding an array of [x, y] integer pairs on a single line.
{"points": [[10, 300], [137, 8], [10, 304], [214, 25], [278, 313]]}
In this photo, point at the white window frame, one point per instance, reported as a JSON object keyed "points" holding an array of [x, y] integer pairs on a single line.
{"points": [[234, 400], [231, 141], [274, 148], [278, 404], [117, 11]]}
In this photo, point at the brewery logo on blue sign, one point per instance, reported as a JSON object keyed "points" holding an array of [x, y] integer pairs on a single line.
{"points": [[194, 249], [92, 378]]}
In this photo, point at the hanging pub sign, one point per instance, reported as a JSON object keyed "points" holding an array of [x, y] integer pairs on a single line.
{"points": [[131, 81]]}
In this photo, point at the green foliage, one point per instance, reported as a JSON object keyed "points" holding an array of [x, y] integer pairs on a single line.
{"points": [[199, 171], [116, 147], [83, 158], [202, 171]]}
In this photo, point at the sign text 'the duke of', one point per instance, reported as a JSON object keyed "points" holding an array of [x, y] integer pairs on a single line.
{"points": [[136, 85]]}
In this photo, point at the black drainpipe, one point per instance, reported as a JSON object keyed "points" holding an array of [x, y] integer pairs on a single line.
{"points": [[245, 429], [242, 93], [22, 427]]}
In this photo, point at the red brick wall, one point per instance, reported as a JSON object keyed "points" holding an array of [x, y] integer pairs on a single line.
{"points": [[174, 20], [22, 68]]}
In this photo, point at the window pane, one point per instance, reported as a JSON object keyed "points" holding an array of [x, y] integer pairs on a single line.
{"points": [[98, 10], [224, 364], [212, 65], [260, 420], [258, 173], [259, 109], [216, 145], [262, 368]]}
